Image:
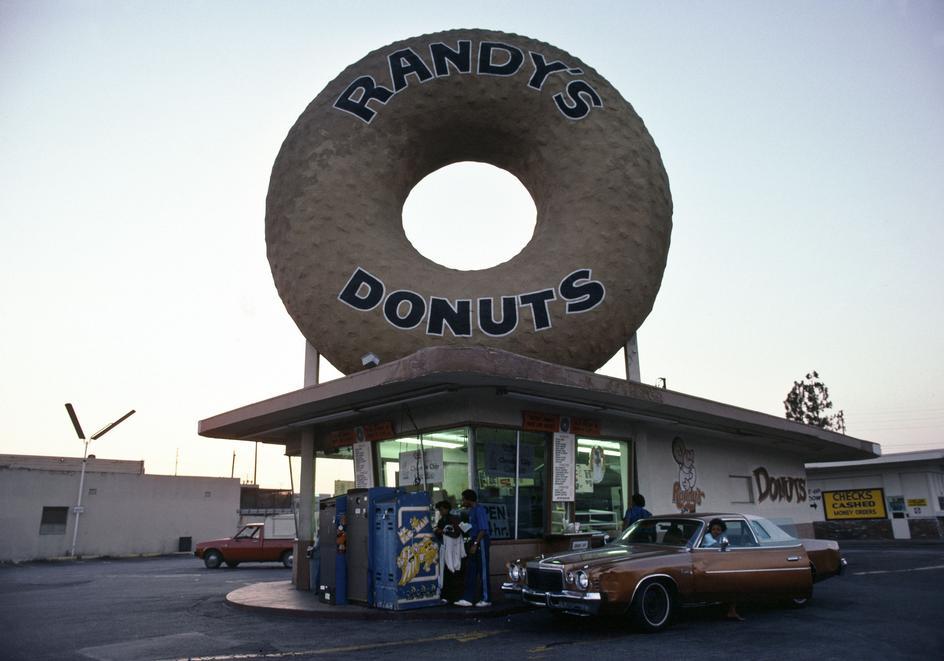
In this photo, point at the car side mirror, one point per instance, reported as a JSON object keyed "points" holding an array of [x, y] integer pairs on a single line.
{"points": [[725, 543]]}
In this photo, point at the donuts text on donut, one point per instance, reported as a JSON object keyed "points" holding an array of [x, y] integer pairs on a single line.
{"points": [[405, 309], [575, 101]]}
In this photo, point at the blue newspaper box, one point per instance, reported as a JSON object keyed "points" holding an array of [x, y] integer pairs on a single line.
{"points": [[404, 554]]}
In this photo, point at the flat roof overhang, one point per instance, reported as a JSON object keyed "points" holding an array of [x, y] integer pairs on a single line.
{"points": [[440, 371]]}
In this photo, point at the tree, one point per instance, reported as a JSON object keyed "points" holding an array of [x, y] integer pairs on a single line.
{"points": [[808, 402]]}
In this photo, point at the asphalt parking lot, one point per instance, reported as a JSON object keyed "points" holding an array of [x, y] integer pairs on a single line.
{"points": [[888, 606]]}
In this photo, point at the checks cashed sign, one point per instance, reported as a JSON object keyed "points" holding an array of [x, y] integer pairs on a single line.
{"points": [[854, 504]]}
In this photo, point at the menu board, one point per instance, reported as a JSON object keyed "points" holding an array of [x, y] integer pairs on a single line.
{"points": [[565, 464], [363, 465]]}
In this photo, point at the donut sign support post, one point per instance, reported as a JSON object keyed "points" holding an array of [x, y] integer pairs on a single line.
{"points": [[353, 282]]}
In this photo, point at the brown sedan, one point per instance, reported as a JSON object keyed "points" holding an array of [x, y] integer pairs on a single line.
{"points": [[662, 562]]}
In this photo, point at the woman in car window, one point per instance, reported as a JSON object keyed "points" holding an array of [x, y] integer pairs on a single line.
{"points": [[715, 534], [713, 537]]}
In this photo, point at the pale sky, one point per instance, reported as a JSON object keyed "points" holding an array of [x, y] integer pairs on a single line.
{"points": [[804, 145]]}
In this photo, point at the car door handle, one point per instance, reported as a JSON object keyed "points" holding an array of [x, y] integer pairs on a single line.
{"points": [[793, 558]]}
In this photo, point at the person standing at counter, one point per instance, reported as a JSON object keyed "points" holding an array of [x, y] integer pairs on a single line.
{"points": [[476, 576], [451, 553], [636, 512]]}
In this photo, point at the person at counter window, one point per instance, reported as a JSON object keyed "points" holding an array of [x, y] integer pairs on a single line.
{"points": [[636, 512], [476, 575], [451, 552]]}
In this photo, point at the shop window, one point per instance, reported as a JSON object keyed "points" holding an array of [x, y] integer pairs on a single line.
{"points": [[436, 461], [600, 488], [53, 521], [511, 470], [334, 470], [742, 489]]}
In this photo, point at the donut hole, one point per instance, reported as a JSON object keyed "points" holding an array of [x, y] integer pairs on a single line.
{"points": [[469, 216]]}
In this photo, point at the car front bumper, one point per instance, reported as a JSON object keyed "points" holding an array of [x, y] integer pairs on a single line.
{"points": [[568, 601]]}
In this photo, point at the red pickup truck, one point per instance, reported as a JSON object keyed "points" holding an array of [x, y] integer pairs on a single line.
{"points": [[248, 545]]}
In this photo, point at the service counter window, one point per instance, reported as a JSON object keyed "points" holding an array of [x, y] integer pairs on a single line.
{"points": [[511, 472], [601, 485], [436, 461]]}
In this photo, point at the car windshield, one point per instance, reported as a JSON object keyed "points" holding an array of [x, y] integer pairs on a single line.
{"points": [[669, 532], [769, 533]]}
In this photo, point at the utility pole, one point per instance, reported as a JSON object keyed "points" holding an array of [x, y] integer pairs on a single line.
{"points": [[232, 468], [255, 464]]}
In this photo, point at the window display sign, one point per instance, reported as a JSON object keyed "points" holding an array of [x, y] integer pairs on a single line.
{"points": [[500, 460], [419, 466], [854, 504], [363, 465], [498, 527], [565, 467]]}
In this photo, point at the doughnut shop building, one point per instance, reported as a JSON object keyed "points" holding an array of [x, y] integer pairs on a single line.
{"points": [[486, 379]]}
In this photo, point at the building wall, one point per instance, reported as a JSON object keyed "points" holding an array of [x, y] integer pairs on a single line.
{"points": [[125, 513], [919, 481], [677, 471]]}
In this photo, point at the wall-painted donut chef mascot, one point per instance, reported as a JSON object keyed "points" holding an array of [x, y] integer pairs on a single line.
{"points": [[353, 282]]}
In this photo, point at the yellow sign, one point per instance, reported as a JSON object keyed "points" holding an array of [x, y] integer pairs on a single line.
{"points": [[854, 504], [917, 502]]}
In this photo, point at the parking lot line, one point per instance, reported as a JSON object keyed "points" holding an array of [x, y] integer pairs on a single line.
{"points": [[467, 637], [896, 571]]}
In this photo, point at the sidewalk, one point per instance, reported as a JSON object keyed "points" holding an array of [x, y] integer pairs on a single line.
{"points": [[890, 543], [282, 597]]}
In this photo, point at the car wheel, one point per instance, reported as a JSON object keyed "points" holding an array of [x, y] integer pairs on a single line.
{"points": [[287, 559], [800, 602], [652, 606], [232, 563], [212, 559]]}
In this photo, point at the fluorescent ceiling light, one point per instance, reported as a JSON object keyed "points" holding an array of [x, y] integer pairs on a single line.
{"points": [[608, 445], [451, 437], [428, 443], [608, 453]]}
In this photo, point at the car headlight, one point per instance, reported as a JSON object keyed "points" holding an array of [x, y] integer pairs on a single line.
{"points": [[570, 577], [583, 581], [514, 572]]}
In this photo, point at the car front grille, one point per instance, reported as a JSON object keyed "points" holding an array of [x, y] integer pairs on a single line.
{"points": [[545, 580]]}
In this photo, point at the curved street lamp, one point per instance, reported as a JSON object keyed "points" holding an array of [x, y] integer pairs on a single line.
{"points": [[77, 510]]}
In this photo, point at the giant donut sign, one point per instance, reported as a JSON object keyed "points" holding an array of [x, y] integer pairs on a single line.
{"points": [[354, 283]]}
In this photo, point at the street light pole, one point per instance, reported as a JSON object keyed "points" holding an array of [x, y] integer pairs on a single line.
{"points": [[77, 510]]}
